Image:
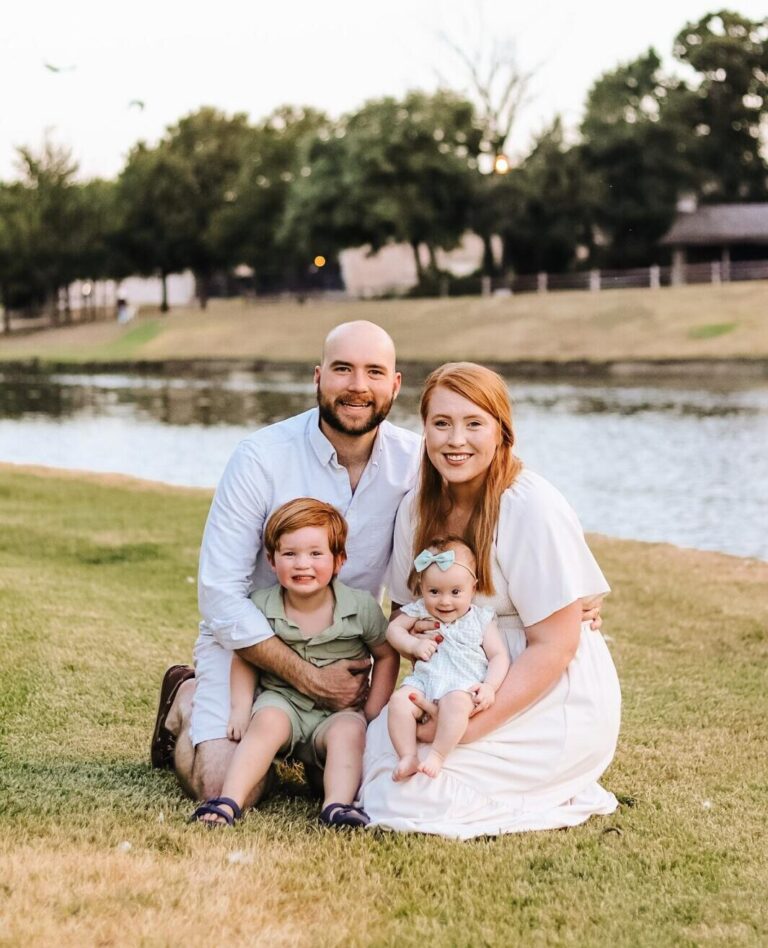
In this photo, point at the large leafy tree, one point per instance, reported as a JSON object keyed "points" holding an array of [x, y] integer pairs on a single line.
{"points": [[728, 106], [213, 148], [544, 207], [157, 232], [634, 151], [394, 170], [248, 227], [21, 286], [53, 213]]}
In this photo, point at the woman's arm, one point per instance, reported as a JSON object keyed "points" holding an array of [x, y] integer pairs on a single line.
{"points": [[498, 656], [386, 665], [552, 643]]}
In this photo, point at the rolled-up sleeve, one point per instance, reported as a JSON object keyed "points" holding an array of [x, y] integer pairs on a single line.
{"points": [[231, 543]]}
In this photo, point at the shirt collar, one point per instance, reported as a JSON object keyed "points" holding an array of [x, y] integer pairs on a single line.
{"points": [[323, 448], [346, 602]]}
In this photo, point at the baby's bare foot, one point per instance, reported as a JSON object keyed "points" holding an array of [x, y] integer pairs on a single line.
{"points": [[406, 767], [432, 765]]}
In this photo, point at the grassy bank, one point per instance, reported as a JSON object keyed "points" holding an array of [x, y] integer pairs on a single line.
{"points": [[97, 598], [692, 322]]}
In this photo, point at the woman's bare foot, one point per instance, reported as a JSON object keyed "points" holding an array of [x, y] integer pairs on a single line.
{"points": [[432, 765], [406, 767]]}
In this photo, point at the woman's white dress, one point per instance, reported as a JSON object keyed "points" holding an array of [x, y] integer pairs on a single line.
{"points": [[540, 769]]}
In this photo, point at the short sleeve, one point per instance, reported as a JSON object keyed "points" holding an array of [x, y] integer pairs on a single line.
{"points": [[373, 621], [542, 551], [416, 610], [484, 616], [402, 553]]}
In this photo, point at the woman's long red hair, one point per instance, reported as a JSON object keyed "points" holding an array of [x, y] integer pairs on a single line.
{"points": [[487, 390]]}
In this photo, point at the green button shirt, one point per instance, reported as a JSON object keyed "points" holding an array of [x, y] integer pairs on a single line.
{"points": [[358, 624]]}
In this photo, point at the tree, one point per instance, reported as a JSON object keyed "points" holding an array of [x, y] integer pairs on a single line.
{"points": [[544, 207], [249, 225], [47, 178], [729, 105], [634, 152], [394, 170], [213, 148], [157, 228], [20, 284]]}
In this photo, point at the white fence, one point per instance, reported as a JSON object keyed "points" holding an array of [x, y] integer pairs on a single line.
{"points": [[716, 272]]}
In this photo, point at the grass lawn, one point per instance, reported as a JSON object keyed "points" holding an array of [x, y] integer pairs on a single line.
{"points": [[97, 597], [689, 322]]}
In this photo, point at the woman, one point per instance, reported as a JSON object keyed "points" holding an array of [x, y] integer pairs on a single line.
{"points": [[533, 759]]}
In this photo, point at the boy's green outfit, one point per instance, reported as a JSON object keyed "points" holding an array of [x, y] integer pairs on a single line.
{"points": [[358, 623]]}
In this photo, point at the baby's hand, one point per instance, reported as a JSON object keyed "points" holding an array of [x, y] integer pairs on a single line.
{"points": [[483, 696], [423, 649], [238, 724]]}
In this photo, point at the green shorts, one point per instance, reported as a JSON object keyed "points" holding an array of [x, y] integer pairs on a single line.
{"points": [[308, 727]]}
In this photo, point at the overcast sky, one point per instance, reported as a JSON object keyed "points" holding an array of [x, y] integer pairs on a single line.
{"points": [[253, 55]]}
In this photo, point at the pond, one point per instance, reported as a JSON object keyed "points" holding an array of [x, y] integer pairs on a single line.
{"points": [[687, 464]]}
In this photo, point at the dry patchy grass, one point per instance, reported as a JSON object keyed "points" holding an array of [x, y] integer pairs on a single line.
{"points": [[95, 601], [679, 323]]}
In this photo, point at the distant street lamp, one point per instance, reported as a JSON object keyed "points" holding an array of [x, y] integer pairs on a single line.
{"points": [[319, 261], [501, 164]]}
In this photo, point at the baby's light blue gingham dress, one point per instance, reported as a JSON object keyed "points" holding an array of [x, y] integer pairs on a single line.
{"points": [[459, 660]]}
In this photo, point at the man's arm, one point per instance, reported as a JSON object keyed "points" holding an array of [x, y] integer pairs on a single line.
{"points": [[231, 544], [344, 684]]}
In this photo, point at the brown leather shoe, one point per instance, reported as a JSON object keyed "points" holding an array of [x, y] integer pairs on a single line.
{"points": [[163, 742]]}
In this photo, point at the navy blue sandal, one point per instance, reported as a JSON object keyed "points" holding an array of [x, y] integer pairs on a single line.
{"points": [[344, 814], [214, 807]]}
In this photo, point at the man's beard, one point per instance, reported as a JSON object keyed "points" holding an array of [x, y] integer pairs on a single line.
{"points": [[365, 425]]}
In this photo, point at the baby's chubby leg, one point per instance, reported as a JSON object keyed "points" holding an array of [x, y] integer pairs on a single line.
{"points": [[402, 715], [455, 708]]}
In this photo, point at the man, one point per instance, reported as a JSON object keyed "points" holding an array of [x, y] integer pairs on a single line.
{"points": [[343, 452]]}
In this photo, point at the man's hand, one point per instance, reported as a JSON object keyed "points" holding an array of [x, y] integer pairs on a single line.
{"points": [[341, 685]]}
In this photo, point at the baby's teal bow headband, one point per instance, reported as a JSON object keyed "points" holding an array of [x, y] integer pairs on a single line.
{"points": [[443, 561]]}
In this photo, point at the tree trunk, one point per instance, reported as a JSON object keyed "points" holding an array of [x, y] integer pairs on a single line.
{"points": [[432, 259], [6, 311], [201, 287], [164, 284], [417, 261], [489, 262]]}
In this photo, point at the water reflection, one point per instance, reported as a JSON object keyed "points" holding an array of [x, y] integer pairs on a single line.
{"points": [[653, 461]]}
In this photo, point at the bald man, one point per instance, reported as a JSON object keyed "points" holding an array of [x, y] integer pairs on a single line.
{"points": [[343, 452]]}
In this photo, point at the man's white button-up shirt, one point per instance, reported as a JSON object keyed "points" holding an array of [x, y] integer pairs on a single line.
{"points": [[291, 459]]}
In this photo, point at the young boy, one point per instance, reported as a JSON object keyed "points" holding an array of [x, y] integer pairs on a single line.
{"points": [[323, 621]]}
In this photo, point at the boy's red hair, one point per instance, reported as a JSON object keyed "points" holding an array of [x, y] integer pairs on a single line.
{"points": [[306, 512]]}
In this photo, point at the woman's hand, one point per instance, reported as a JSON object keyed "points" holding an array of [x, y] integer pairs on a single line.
{"points": [[483, 695], [427, 725], [590, 612], [427, 629]]}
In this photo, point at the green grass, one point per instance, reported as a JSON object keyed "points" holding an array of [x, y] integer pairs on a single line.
{"points": [[711, 330], [95, 601], [130, 343]]}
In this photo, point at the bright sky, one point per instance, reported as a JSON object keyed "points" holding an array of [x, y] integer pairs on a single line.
{"points": [[253, 55]]}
